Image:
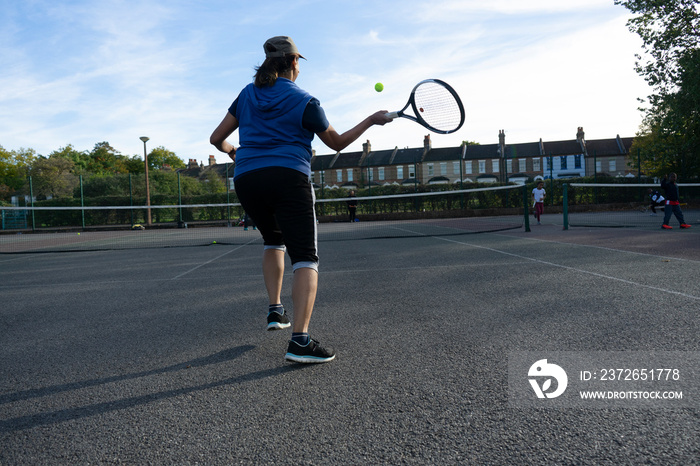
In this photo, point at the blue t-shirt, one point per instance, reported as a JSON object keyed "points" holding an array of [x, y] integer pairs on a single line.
{"points": [[276, 126]]}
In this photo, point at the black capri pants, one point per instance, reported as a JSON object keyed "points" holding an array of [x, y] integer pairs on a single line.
{"points": [[281, 203]]}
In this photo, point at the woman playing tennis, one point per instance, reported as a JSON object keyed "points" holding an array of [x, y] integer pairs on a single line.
{"points": [[277, 121]]}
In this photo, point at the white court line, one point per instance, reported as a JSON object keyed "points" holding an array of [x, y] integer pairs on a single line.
{"points": [[573, 269], [212, 260]]}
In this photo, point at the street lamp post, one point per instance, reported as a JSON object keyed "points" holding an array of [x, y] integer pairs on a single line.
{"points": [[148, 190]]}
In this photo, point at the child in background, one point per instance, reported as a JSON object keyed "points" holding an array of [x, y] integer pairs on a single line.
{"points": [[538, 195], [657, 200]]}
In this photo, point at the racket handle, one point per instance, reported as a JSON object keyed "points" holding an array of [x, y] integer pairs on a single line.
{"points": [[392, 115]]}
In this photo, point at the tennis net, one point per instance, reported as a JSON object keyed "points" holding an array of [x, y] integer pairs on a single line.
{"points": [[441, 213], [624, 205]]}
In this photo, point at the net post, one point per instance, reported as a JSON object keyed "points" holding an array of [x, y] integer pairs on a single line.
{"points": [[526, 212], [565, 202]]}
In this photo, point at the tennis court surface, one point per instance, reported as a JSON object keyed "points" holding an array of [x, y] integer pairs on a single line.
{"points": [[160, 355]]}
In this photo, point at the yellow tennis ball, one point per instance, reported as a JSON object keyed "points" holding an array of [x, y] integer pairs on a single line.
{"points": [[379, 87]]}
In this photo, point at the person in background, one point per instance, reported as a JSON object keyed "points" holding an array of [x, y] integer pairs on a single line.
{"points": [[277, 121], [538, 195], [657, 200], [352, 207], [673, 204]]}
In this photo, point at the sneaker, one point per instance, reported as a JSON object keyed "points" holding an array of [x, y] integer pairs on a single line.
{"points": [[685, 225], [667, 227], [313, 352], [277, 321]]}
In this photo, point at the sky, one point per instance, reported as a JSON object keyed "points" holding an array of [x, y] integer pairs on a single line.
{"points": [[81, 72]]}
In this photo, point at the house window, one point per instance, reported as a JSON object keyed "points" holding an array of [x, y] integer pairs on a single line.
{"points": [[431, 169], [399, 172], [522, 165], [455, 168], [349, 174], [339, 176], [577, 161], [482, 166], [562, 162], [549, 163], [230, 184], [411, 171], [443, 168], [381, 173], [509, 165], [613, 165], [536, 164], [494, 166], [468, 167], [370, 175], [598, 166]]}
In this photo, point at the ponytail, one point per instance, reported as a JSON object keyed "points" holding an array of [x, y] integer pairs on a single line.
{"points": [[267, 73]]}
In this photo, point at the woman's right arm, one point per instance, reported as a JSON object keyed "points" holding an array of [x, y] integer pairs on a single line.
{"points": [[338, 142], [218, 138]]}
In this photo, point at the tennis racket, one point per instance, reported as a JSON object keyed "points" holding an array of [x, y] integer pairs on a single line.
{"points": [[435, 105]]}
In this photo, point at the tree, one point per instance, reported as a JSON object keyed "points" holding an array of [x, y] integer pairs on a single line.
{"points": [[106, 159], [14, 168], [134, 165], [80, 159], [53, 177], [213, 183], [669, 139], [160, 157]]}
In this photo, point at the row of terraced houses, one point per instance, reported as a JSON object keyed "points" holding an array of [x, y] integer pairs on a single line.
{"points": [[488, 163]]}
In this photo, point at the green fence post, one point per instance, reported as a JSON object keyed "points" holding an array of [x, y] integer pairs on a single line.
{"points": [[131, 200], [565, 195], [551, 178], [595, 174], [228, 197], [179, 198], [461, 177], [639, 166], [526, 210], [82, 202], [31, 201]]}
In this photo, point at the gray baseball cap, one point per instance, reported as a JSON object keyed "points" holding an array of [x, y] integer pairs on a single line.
{"points": [[280, 46]]}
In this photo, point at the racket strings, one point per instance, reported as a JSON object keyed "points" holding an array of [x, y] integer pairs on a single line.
{"points": [[437, 106]]}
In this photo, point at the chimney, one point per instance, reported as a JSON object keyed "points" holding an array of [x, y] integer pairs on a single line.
{"points": [[212, 160], [581, 139], [366, 148], [427, 145], [192, 163], [502, 142]]}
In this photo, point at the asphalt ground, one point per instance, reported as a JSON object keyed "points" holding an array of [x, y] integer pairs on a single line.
{"points": [[160, 356]]}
